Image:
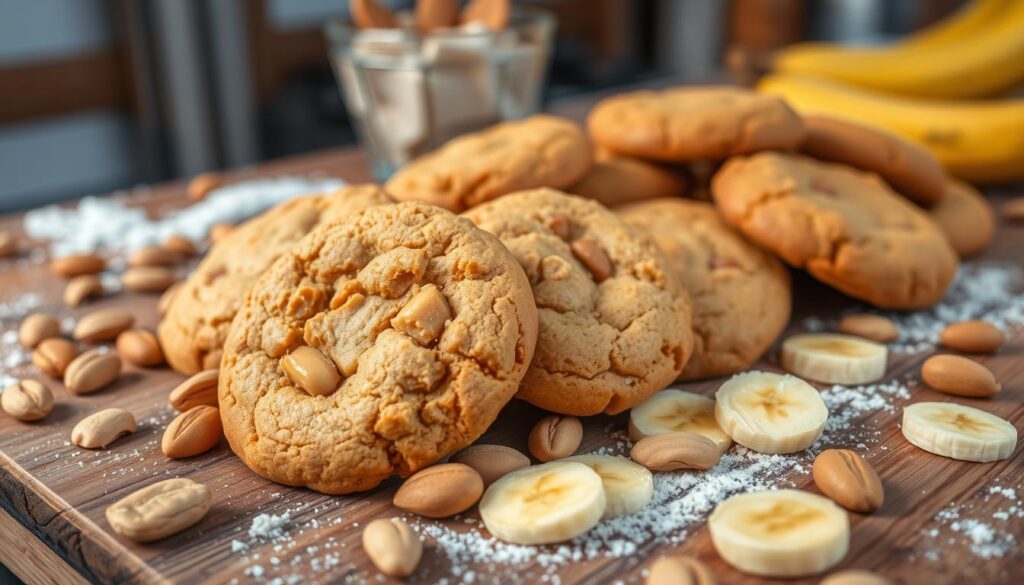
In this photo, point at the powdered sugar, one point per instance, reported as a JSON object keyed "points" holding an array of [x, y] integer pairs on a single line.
{"points": [[107, 224]]}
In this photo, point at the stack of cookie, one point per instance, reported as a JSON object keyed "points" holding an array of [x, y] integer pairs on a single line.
{"points": [[358, 338]]}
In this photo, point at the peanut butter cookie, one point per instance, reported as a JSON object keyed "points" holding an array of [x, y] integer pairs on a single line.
{"points": [[540, 151], [376, 345], [618, 180], [614, 321], [694, 123], [196, 323], [966, 217], [740, 294], [910, 168], [848, 228]]}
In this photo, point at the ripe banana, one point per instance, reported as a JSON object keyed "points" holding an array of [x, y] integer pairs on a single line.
{"points": [[982, 64], [834, 358], [543, 504], [780, 533], [628, 487], [770, 413], [978, 141], [958, 431], [973, 18], [676, 411]]}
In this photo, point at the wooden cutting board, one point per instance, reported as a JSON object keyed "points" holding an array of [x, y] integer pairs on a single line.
{"points": [[53, 494]]}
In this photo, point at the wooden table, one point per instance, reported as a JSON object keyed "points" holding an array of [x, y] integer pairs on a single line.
{"points": [[53, 495]]}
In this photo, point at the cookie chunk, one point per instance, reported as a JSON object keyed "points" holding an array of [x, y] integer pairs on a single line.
{"points": [[196, 324], [616, 180], [740, 294], [377, 345], [848, 228], [540, 151], [614, 321], [910, 168], [966, 217], [694, 123]]}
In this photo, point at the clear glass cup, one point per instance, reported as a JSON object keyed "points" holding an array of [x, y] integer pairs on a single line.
{"points": [[408, 94]]}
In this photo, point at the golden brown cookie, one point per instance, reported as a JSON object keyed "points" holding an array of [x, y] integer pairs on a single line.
{"points": [[617, 180], [740, 294], [966, 217], [540, 151], [694, 123], [377, 345], [910, 168], [848, 228], [195, 326], [614, 321]]}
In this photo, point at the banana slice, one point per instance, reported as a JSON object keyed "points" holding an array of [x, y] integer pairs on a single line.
{"points": [[958, 431], [628, 487], [770, 413], [542, 504], [675, 411], [834, 358], [780, 533]]}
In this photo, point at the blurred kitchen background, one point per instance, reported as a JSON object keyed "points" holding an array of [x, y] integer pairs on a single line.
{"points": [[99, 95]]}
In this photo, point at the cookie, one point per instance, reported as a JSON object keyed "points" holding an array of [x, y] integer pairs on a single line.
{"points": [[195, 326], [966, 217], [614, 321], [540, 151], [910, 168], [740, 294], [616, 180], [694, 123], [847, 228], [376, 345]]}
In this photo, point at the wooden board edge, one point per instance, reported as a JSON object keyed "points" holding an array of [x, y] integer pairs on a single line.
{"points": [[31, 560]]}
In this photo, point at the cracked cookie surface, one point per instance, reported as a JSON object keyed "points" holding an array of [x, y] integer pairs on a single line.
{"points": [[614, 321], [740, 294], [196, 324], [847, 228], [535, 152], [413, 326], [694, 123]]}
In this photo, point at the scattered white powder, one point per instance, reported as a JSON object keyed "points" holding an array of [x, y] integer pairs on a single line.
{"points": [[106, 223], [982, 290], [269, 526], [986, 538]]}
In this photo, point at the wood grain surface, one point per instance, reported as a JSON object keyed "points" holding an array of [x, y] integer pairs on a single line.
{"points": [[59, 492]]}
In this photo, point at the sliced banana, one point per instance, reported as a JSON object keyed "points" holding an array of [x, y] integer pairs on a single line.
{"points": [[542, 504], [958, 431], [834, 358], [770, 413], [780, 533], [628, 486], [675, 411]]}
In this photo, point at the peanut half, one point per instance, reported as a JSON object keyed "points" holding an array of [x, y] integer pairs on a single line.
{"points": [[393, 547], [311, 371], [555, 437], [440, 491], [160, 510], [53, 356], [959, 376], [854, 577], [972, 337], [672, 451], [192, 432], [27, 400], [590, 253], [424, 316], [70, 266], [37, 327], [873, 327], [180, 244], [140, 347], [150, 279], [102, 428], [102, 325], [199, 389], [81, 288], [678, 570], [154, 256], [491, 461], [91, 371], [847, 478]]}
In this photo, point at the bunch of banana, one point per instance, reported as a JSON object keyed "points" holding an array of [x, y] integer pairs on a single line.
{"points": [[981, 141], [966, 62]]}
